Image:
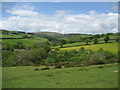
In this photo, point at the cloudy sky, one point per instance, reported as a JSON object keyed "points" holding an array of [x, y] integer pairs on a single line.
{"points": [[61, 17]]}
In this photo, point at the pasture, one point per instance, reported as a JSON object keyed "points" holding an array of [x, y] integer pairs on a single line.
{"points": [[96, 76], [81, 44], [26, 42], [111, 47]]}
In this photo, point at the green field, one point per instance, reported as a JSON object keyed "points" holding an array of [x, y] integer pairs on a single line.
{"points": [[96, 76], [26, 42], [112, 47], [80, 43]]}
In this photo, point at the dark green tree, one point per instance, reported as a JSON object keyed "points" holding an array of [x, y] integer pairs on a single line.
{"points": [[106, 39], [87, 40], [95, 40], [117, 39], [62, 42]]}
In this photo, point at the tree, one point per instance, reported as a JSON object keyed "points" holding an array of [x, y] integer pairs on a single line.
{"points": [[87, 40], [117, 39], [95, 40], [106, 39], [62, 42], [25, 36]]}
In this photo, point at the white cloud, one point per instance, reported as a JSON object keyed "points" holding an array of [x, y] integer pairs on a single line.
{"points": [[26, 19], [22, 12]]}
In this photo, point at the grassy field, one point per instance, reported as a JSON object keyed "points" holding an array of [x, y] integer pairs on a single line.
{"points": [[96, 76], [26, 42], [112, 47], [81, 43]]}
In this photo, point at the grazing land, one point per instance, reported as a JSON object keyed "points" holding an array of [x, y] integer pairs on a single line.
{"points": [[96, 76], [111, 47], [27, 42]]}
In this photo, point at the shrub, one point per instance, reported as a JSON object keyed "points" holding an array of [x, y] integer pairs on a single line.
{"points": [[38, 55], [31, 57], [36, 69], [5, 46], [19, 45], [102, 57], [97, 58], [82, 49], [24, 58], [8, 58]]}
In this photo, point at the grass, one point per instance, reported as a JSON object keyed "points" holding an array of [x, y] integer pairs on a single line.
{"points": [[26, 42], [11, 36], [112, 47], [81, 44], [0, 76], [20, 35], [75, 77]]}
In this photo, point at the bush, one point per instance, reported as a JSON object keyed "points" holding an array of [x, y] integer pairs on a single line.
{"points": [[97, 58], [24, 58], [19, 45], [82, 49], [5, 46], [8, 58], [102, 57], [31, 57]]}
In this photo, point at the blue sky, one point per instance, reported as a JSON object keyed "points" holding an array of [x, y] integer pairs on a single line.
{"points": [[62, 17], [74, 7]]}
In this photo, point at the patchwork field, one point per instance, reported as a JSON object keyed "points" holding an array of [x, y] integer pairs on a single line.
{"points": [[112, 47], [96, 76]]}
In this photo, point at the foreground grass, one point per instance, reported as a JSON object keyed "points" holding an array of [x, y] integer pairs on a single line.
{"points": [[96, 76], [111, 47]]}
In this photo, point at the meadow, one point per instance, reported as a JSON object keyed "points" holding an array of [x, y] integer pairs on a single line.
{"points": [[111, 47], [26, 42], [82, 44], [96, 76]]}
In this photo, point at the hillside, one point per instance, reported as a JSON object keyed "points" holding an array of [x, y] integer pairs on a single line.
{"points": [[49, 34], [10, 38], [17, 34]]}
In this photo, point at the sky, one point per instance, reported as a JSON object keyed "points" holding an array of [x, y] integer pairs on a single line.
{"points": [[61, 17]]}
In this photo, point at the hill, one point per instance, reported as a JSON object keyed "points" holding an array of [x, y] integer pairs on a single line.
{"points": [[49, 34]]}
